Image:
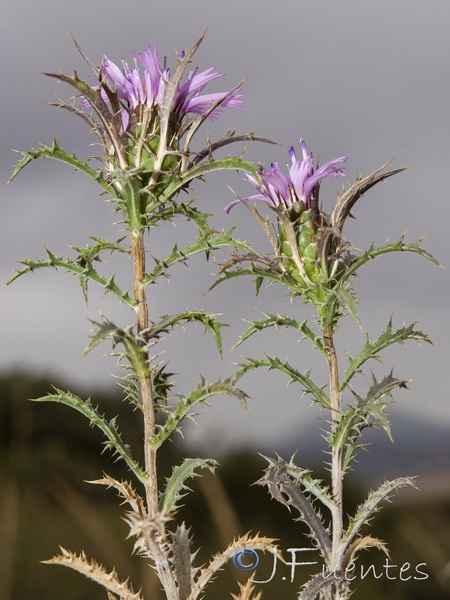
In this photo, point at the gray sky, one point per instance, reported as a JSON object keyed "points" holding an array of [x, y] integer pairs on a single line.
{"points": [[363, 79]]}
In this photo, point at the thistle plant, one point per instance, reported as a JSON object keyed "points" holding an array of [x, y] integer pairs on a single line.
{"points": [[145, 117], [312, 260]]}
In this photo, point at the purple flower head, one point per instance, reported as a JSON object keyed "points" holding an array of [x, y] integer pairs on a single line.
{"points": [[298, 187], [135, 87], [144, 84], [190, 99]]}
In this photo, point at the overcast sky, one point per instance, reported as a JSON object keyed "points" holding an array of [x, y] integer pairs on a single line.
{"points": [[369, 80]]}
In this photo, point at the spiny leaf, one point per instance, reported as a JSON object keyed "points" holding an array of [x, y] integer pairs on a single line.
{"points": [[126, 492], [398, 246], [259, 273], [347, 200], [235, 163], [246, 592], [91, 253], [362, 544], [102, 331], [219, 560], [366, 511], [56, 153], [92, 570], [176, 484], [371, 349], [207, 243], [108, 428], [135, 348], [371, 404], [283, 489], [311, 485], [206, 319], [182, 560], [319, 583], [162, 383], [200, 394], [231, 138], [111, 121], [309, 387], [84, 271], [369, 411], [131, 387], [281, 321], [192, 213], [347, 299]]}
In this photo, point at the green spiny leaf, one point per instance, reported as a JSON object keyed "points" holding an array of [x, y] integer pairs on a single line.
{"points": [[208, 243], [196, 216], [91, 253], [176, 483], [84, 271], [258, 272], [398, 246], [371, 349], [135, 348], [162, 383], [56, 153], [109, 428], [281, 321], [200, 394], [103, 331], [369, 411], [235, 163], [311, 485], [309, 387], [206, 319], [366, 511], [347, 299]]}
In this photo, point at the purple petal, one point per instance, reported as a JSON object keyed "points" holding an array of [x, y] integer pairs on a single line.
{"points": [[292, 154], [304, 150], [112, 71], [195, 83], [200, 104], [248, 198]]}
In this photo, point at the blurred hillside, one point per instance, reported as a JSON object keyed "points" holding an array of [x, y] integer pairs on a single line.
{"points": [[48, 452]]}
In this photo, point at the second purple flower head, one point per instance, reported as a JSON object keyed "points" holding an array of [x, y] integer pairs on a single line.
{"points": [[297, 187]]}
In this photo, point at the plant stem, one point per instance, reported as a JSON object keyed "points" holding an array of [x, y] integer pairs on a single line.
{"points": [[155, 534], [145, 382], [336, 458]]}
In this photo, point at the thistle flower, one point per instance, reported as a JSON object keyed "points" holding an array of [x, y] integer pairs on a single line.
{"points": [[298, 188], [147, 88]]}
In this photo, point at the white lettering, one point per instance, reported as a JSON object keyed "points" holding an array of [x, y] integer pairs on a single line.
{"points": [[293, 564], [425, 575]]}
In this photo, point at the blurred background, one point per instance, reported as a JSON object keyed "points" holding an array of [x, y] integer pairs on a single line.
{"points": [[366, 80]]}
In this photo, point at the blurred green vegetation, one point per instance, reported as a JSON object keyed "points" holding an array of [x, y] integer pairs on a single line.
{"points": [[47, 453]]}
